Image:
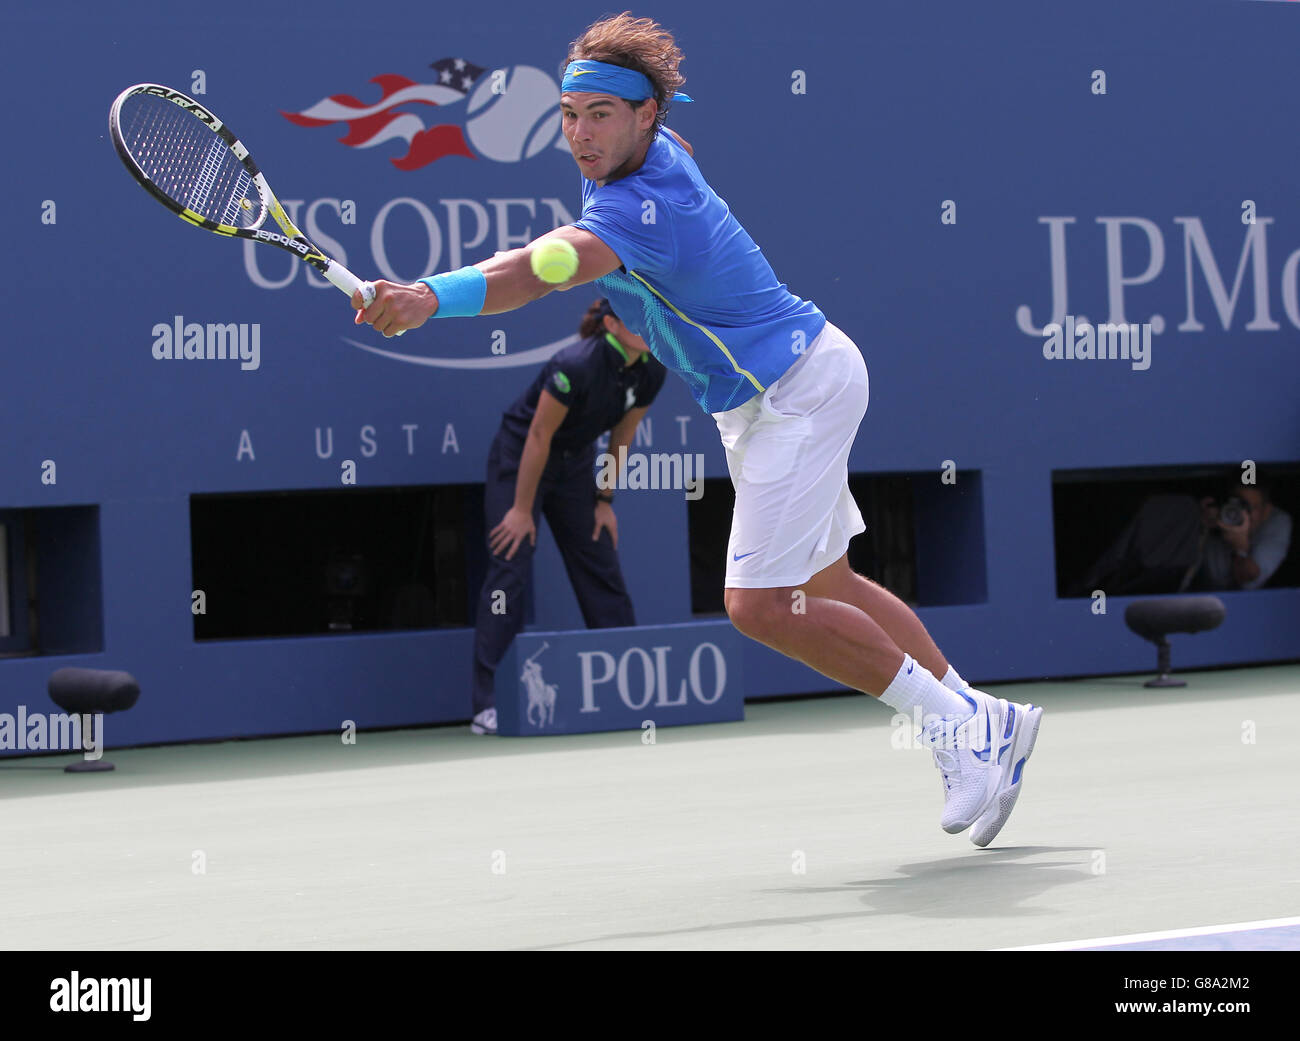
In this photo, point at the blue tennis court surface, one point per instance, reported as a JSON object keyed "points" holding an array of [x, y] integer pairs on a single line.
{"points": [[1282, 935]]}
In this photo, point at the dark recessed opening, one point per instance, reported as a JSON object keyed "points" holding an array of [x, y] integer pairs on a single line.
{"points": [[326, 562], [50, 586]]}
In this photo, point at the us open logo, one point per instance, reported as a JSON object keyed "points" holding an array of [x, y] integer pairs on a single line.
{"points": [[505, 115], [457, 108]]}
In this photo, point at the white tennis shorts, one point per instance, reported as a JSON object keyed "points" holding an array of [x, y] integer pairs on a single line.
{"points": [[788, 453]]}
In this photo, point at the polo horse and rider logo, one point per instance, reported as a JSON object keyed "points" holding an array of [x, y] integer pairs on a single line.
{"points": [[541, 695]]}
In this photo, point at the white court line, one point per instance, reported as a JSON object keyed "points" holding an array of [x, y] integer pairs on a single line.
{"points": [[1168, 934]]}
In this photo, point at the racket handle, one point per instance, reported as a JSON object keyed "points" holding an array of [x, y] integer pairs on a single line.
{"points": [[350, 284]]}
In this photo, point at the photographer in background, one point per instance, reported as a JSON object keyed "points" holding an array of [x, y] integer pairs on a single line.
{"points": [[1246, 539], [1176, 543]]}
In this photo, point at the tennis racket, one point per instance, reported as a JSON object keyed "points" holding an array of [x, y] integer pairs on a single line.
{"points": [[191, 162]]}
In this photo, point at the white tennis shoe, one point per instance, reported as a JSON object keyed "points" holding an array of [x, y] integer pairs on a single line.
{"points": [[981, 762], [1019, 732], [485, 722], [961, 753]]}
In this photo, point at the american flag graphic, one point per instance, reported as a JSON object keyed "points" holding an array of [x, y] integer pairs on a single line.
{"points": [[396, 114]]}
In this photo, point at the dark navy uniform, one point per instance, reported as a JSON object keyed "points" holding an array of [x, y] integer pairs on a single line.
{"points": [[592, 378]]}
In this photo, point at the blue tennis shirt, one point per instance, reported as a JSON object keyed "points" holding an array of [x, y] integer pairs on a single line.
{"points": [[693, 283]]}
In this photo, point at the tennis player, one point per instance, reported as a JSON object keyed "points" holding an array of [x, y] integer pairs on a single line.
{"points": [[787, 388]]}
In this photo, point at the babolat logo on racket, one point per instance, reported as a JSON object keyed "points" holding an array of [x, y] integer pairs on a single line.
{"points": [[297, 245]]}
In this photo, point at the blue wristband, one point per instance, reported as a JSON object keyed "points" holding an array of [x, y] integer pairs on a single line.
{"points": [[460, 293]]}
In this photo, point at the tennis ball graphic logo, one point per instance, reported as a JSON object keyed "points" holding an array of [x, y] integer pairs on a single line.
{"points": [[513, 113]]}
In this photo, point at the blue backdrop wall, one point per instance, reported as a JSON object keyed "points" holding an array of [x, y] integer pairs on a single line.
{"points": [[839, 134]]}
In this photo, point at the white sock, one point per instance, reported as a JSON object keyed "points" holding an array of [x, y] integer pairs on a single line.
{"points": [[915, 685], [952, 681]]}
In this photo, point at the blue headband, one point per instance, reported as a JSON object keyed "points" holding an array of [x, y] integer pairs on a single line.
{"points": [[597, 77]]}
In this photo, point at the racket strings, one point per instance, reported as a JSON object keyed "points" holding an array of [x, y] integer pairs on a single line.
{"points": [[190, 164]]}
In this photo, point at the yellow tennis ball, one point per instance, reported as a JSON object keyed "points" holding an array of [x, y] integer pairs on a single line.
{"points": [[554, 261]]}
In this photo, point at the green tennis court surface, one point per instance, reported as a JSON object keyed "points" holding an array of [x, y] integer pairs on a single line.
{"points": [[802, 827]]}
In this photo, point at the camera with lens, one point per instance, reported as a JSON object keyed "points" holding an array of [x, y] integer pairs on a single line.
{"points": [[1232, 514]]}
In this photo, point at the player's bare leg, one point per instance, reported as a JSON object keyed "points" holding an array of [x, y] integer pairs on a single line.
{"points": [[837, 639], [841, 582], [839, 623]]}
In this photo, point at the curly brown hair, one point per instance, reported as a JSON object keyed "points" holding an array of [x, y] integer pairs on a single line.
{"points": [[641, 44]]}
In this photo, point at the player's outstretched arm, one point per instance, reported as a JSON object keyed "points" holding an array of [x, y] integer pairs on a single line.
{"points": [[510, 284], [510, 279]]}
